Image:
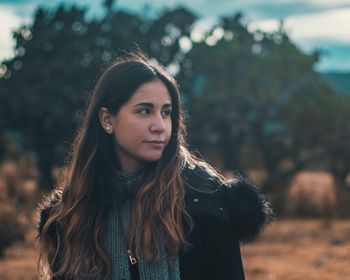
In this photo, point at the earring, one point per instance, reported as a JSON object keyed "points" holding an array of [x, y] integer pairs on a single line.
{"points": [[108, 128]]}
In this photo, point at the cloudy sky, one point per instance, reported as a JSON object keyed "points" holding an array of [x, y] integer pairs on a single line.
{"points": [[311, 24]]}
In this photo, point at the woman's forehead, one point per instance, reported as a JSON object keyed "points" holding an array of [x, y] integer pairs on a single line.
{"points": [[154, 92]]}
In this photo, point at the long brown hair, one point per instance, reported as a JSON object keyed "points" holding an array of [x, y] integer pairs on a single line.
{"points": [[70, 239]]}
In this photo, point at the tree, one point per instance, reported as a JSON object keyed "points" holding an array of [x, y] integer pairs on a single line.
{"points": [[58, 59], [43, 86], [253, 98], [258, 92]]}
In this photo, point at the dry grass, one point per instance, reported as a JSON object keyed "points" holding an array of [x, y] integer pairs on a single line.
{"points": [[20, 263], [287, 250], [300, 249]]}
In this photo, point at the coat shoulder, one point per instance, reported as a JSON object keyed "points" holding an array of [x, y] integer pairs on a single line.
{"points": [[248, 208], [200, 178]]}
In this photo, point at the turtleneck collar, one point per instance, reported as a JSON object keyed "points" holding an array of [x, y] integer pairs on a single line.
{"points": [[126, 184]]}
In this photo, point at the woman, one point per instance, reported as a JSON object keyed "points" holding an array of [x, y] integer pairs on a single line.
{"points": [[134, 202]]}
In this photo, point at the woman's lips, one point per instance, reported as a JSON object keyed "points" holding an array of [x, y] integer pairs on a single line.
{"points": [[158, 144]]}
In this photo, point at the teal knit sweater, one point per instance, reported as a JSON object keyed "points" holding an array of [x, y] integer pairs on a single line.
{"points": [[115, 236]]}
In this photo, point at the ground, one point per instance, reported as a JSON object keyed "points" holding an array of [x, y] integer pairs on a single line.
{"points": [[295, 250], [287, 250]]}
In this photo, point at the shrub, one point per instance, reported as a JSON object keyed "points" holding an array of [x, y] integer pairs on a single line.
{"points": [[11, 229]]}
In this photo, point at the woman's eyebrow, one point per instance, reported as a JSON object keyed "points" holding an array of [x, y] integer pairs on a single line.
{"points": [[149, 104], [144, 104]]}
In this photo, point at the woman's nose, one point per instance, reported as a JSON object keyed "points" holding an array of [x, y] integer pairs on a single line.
{"points": [[158, 124]]}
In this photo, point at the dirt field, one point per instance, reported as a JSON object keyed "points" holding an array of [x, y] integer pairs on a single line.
{"points": [[287, 250], [295, 250]]}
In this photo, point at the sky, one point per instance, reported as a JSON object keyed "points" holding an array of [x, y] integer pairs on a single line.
{"points": [[311, 24]]}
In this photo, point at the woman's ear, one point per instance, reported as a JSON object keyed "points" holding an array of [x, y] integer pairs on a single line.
{"points": [[106, 120]]}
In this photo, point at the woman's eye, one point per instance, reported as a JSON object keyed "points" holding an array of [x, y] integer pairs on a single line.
{"points": [[144, 111], [166, 113]]}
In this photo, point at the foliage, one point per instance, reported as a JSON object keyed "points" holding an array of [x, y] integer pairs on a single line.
{"points": [[58, 59], [254, 99], [260, 93]]}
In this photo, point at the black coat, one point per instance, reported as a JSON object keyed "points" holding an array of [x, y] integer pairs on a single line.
{"points": [[222, 217]]}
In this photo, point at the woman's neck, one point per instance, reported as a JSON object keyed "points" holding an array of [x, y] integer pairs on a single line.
{"points": [[130, 166]]}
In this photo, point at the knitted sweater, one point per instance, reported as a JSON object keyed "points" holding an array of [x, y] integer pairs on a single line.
{"points": [[115, 236]]}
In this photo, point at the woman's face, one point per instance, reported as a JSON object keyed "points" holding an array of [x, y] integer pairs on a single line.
{"points": [[142, 127]]}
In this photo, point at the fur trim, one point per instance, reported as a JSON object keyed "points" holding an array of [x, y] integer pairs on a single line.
{"points": [[249, 209]]}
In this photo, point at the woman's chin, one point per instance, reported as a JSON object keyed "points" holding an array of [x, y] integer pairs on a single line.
{"points": [[151, 157]]}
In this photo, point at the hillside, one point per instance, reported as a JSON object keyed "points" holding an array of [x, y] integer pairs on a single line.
{"points": [[339, 81]]}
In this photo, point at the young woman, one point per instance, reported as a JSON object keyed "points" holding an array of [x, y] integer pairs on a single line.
{"points": [[134, 202]]}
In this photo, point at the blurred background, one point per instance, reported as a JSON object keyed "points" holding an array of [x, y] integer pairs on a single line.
{"points": [[265, 86]]}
